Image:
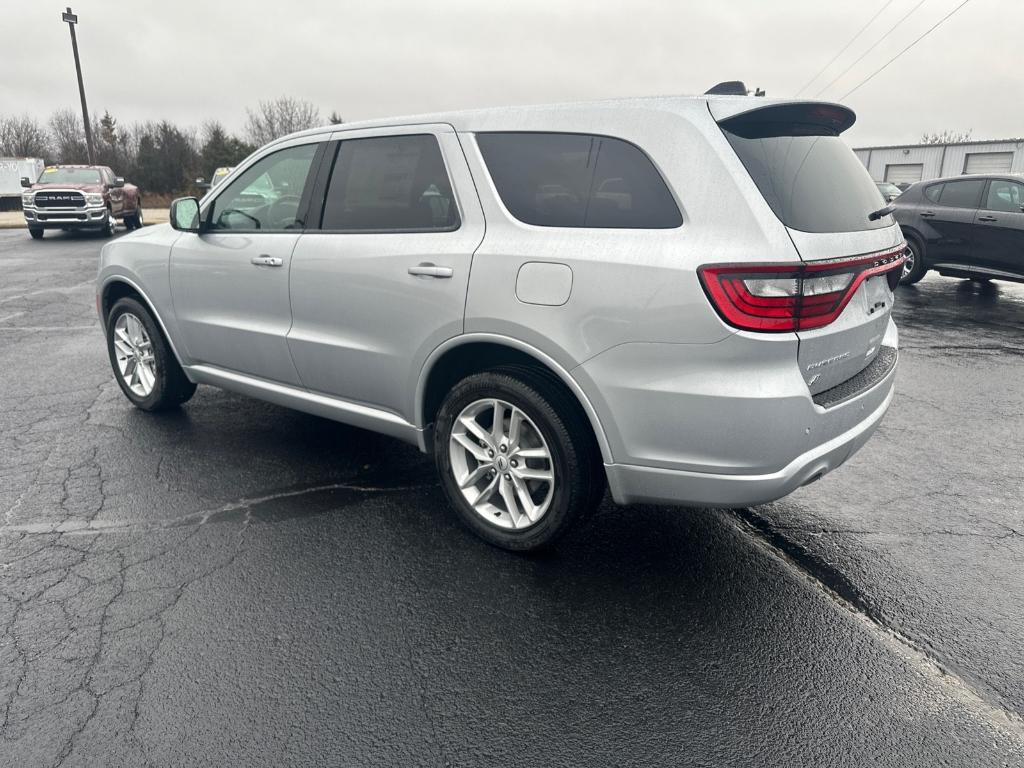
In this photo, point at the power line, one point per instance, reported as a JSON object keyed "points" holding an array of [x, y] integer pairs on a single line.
{"points": [[853, 39], [869, 50], [922, 37]]}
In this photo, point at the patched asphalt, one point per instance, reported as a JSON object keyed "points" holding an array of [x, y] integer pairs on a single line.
{"points": [[239, 584]]}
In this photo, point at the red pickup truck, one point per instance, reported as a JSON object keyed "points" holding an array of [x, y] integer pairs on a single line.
{"points": [[88, 197]]}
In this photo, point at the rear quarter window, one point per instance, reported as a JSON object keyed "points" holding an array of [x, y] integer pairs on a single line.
{"points": [[577, 180], [933, 192]]}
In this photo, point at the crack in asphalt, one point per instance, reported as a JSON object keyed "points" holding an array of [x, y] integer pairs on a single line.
{"points": [[88, 595], [225, 513], [833, 582]]}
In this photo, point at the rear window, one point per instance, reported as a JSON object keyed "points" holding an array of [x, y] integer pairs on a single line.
{"points": [[813, 183], [577, 180]]}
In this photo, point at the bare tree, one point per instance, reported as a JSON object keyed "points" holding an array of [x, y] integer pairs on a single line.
{"points": [[68, 137], [23, 137], [284, 115], [947, 137], [335, 119]]}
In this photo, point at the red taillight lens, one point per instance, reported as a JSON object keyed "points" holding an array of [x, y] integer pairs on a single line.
{"points": [[792, 297]]}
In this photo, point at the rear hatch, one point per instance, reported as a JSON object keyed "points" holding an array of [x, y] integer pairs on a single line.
{"points": [[823, 194]]}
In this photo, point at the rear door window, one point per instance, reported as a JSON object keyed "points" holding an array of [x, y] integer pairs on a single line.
{"points": [[813, 183], [390, 184], [962, 194], [577, 180]]}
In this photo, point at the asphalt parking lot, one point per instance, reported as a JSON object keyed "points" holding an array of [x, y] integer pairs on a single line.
{"points": [[238, 584]]}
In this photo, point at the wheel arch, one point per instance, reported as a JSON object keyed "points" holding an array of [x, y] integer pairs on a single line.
{"points": [[118, 287], [909, 233], [472, 353]]}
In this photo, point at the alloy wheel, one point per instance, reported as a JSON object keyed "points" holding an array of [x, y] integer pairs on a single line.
{"points": [[908, 265], [133, 349], [501, 464]]}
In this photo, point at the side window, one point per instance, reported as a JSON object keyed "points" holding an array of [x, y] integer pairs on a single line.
{"points": [[1004, 196], [390, 184], [962, 194], [577, 180], [932, 193], [266, 196]]}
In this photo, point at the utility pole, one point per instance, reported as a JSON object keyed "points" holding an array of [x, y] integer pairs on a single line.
{"points": [[72, 19]]}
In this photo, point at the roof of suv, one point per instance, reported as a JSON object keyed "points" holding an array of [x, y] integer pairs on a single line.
{"points": [[487, 118]]}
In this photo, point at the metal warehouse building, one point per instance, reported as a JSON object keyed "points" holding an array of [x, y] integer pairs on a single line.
{"points": [[913, 162]]}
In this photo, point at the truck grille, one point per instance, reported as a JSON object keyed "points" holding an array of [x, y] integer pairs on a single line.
{"points": [[59, 199]]}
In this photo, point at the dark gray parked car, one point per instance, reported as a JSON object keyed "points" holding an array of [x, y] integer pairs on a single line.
{"points": [[964, 226]]}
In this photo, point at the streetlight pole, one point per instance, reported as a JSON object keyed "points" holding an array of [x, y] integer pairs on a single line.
{"points": [[71, 20]]}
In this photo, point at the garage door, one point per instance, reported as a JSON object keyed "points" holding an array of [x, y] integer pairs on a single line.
{"points": [[988, 162], [906, 173]]}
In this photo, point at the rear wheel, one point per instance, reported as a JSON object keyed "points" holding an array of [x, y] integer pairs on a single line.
{"points": [[913, 268], [37, 234], [516, 458], [143, 362], [135, 220]]}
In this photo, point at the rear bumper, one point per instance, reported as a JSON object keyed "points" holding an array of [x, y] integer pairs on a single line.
{"points": [[631, 484], [74, 218], [726, 424]]}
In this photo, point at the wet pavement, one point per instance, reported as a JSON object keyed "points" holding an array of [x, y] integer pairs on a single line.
{"points": [[235, 583]]}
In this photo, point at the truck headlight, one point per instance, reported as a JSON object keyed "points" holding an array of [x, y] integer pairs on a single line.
{"points": [[27, 199], [93, 198]]}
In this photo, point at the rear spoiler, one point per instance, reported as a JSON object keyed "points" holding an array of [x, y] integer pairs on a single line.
{"points": [[794, 118]]}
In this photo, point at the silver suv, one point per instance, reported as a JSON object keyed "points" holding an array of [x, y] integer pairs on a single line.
{"points": [[686, 299]]}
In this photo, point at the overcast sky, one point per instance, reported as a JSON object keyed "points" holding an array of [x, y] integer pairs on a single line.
{"points": [[193, 61]]}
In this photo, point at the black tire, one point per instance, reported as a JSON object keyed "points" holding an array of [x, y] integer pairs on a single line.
{"points": [[134, 221], [172, 387], [36, 233], [575, 457], [918, 270], [107, 230]]}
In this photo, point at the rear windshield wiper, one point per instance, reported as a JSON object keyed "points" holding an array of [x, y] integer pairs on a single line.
{"points": [[876, 215]]}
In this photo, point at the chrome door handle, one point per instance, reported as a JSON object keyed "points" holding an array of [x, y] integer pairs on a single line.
{"points": [[426, 269], [927, 214], [267, 261], [987, 218]]}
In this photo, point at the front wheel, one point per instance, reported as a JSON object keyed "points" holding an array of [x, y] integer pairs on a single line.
{"points": [[517, 458], [914, 267], [143, 362], [107, 230]]}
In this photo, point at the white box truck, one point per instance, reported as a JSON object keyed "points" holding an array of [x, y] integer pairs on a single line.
{"points": [[11, 171]]}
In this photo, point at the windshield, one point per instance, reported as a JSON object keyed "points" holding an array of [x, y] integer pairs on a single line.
{"points": [[888, 188], [813, 183], [70, 176]]}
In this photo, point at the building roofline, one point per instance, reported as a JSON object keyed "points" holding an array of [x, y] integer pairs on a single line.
{"points": [[1018, 140]]}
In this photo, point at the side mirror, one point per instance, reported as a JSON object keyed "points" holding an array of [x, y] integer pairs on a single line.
{"points": [[185, 215], [118, 182], [26, 182]]}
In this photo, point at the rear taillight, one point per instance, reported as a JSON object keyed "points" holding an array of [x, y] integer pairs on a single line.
{"points": [[793, 297]]}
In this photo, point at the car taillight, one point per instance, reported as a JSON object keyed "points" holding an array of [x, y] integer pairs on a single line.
{"points": [[793, 297]]}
